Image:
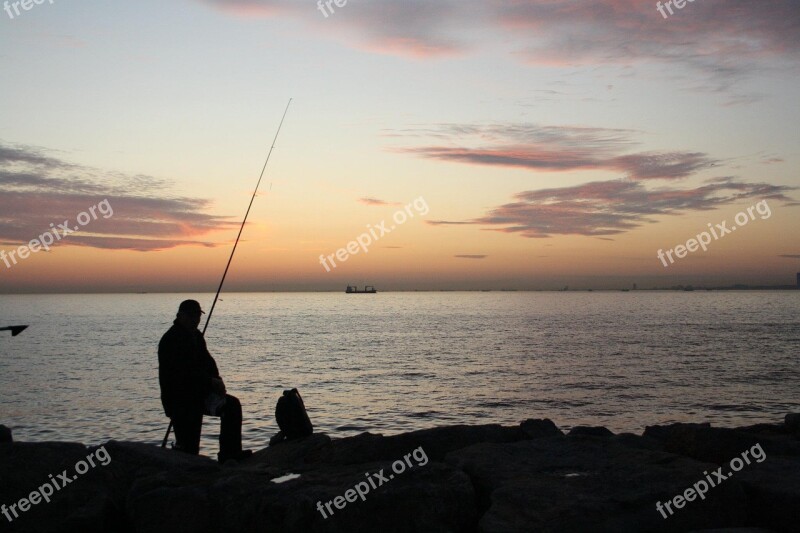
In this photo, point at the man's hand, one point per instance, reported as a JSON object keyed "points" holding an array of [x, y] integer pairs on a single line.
{"points": [[218, 385]]}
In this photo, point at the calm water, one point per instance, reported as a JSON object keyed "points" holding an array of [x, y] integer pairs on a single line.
{"points": [[86, 369]]}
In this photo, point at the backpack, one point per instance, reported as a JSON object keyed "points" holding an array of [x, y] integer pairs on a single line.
{"points": [[292, 416]]}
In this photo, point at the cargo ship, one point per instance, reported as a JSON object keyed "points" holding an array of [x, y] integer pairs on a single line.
{"points": [[352, 289]]}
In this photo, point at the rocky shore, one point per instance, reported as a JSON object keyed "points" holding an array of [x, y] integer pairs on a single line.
{"points": [[487, 478]]}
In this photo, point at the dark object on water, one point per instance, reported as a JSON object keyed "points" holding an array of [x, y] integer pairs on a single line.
{"points": [[5, 434], [15, 330], [352, 289], [292, 417]]}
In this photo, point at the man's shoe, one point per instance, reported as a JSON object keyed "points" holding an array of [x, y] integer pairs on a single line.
{"points": [[240, 456]]}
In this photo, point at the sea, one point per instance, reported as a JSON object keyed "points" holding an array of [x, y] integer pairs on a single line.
{"points": [[86, 370]]}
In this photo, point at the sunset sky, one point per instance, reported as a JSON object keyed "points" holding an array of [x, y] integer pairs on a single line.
{"points": [[552, 143]]}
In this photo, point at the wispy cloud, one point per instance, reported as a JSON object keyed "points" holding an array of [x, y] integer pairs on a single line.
{"points": [[724, 40], [611, 207], [554, 149], [448, 223], [376, 201], [467, 256], [37, 189], [420, 28], [596, 209], [790, 256]]}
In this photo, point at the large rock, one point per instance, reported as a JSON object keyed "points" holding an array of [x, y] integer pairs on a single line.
{"points": [[767, 456], [80, 502], [792, 423], [590, 431], [171, 509], [577, 485], [436, 442], [132, 461], [735, 530], [310, 450], [719, 445], [5, 435], [637, 441], [163, 490], [463, 478], [535, 428], [773, 489], [434, 497]]}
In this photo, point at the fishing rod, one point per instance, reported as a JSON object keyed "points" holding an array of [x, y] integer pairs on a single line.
{"points": [[15, 330], [222, 281], [235, 244]]}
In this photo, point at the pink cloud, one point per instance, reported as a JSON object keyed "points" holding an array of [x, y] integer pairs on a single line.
{"points": [[597, 209], [37, 190], [723, 39], [376, 201], [610, 207], [556, 149]]}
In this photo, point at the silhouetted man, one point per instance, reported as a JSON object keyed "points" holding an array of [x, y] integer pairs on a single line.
{"points": [[191, 387]]}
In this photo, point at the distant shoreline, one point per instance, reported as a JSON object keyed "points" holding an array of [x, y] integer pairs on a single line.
{"points": [[679, 288]]}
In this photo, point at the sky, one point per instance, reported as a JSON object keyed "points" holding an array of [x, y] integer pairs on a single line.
{"points": [[448, 144]]}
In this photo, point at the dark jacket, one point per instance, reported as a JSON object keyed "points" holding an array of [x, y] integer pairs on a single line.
{"points": [[185, 370]]}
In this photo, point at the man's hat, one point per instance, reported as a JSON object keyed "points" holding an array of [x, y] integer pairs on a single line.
{"points": [[190, 306]]}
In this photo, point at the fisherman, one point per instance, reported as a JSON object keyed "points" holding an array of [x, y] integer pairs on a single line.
{"points": [[191, 387]]}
